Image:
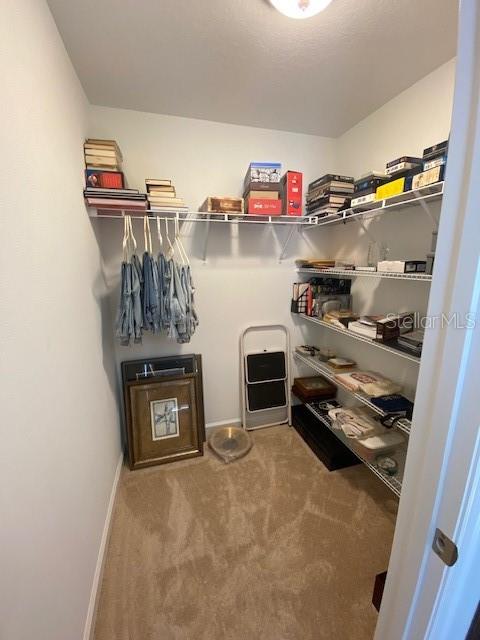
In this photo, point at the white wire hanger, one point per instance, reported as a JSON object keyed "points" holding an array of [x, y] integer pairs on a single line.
{"points": [[129, 243], [147, 236], [159, 234], [171, 251], [181, 248]]}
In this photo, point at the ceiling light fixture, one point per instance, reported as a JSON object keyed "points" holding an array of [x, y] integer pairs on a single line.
{"points": [[299, 9]]}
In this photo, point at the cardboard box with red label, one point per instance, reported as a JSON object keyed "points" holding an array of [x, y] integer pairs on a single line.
{"points": [[292, 193], [264, 207]]}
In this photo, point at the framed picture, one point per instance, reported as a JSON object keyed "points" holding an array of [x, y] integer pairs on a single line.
{"points": [[164, 418]]}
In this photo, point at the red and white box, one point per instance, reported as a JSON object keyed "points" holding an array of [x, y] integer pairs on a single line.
{"points": [[292, 193], [264, 207]]}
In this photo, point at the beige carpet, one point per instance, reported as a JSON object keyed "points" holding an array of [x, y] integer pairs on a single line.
{"points": [[270, 547]]}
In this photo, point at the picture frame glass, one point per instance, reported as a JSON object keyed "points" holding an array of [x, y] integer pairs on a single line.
{"points": [[164, 419]]}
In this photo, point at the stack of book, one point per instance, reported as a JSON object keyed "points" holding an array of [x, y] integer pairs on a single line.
{"points": [[163, 197], [434, 164], [103, 161], [105, 188], [262, 189], [365, 188], [328, 195], [365, 326], [412, 341], [401, 172], [435, 156], [115, 201]]}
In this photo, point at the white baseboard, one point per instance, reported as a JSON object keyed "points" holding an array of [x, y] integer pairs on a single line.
{"points": [[98, 575], [221, 423]]}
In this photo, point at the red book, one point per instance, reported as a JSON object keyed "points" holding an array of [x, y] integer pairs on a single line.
{"points": [[104, 179], [264, 207]]}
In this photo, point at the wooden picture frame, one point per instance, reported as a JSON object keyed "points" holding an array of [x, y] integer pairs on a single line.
{"points": [[164, 419]]}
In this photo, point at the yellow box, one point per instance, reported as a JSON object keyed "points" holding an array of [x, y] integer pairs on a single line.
{"points": [[390, 189]]}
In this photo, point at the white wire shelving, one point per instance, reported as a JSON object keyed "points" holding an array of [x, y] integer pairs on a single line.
{"points": [[352, 273], [315, 364], [394, 483], [202, 216], [355, 336], [293, 223], [406, 199]]}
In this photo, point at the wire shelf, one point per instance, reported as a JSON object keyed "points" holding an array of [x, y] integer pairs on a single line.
{"points": [[406, 199], [394, 483], [354, 336], [202, 216], [352, 273], [403, 424]]}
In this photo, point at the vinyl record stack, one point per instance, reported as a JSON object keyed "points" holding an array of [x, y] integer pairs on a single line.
{"points": [[262, 189], [162, 196], [105, 188], [329, 194]]}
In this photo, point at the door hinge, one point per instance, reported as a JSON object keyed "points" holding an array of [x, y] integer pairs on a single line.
{"points": [[445, 548]]}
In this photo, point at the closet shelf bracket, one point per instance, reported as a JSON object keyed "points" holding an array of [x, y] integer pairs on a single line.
{"points": [[283, 252], [428, 211], [206, 239]]}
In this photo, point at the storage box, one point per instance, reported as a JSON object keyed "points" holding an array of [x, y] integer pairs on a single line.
{"points": [[220, 204], [264, 206], [259, 172], [259, 193], [393, 188], [292, 193], [313, 388], [326, 446], [431, 176], [402, 266], [393, 325]]}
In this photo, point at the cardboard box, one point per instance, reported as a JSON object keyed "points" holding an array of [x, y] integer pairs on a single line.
{"points": [[262, 172], [268, 195], [394, 325], [292, 193], [264, 207], [219, 204]]}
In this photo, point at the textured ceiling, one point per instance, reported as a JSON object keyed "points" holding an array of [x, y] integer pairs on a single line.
{"points": [[240, 61]]}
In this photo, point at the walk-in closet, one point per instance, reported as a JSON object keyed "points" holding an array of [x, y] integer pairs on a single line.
{"points": [[240, 320]]}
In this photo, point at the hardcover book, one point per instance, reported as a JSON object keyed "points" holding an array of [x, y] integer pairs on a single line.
{"points": [[153, 182], [435, 150], [404, 159], [104, 144], [330, 177], [403, 167], [104, 179]]}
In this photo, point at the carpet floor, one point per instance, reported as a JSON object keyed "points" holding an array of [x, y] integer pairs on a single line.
{"points": [[270, 547]]}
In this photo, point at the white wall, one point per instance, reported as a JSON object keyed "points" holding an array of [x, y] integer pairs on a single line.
{"points": [[242, 282], [416, 118], [59, 427]]}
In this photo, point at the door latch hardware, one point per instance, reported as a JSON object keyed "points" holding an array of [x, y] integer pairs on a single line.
{"points": [[445, 549]]}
